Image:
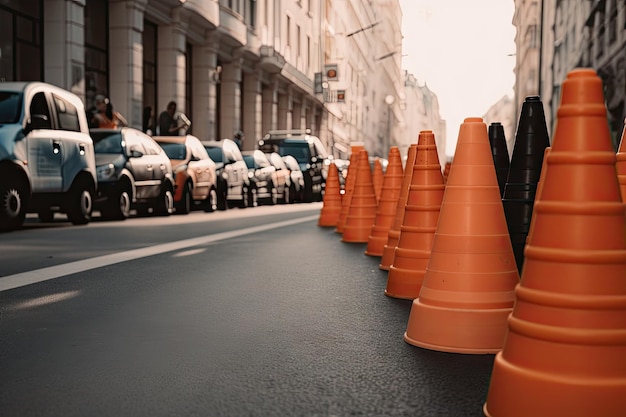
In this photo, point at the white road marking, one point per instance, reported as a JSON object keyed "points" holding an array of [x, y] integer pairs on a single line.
{"points": [[38, 275]]}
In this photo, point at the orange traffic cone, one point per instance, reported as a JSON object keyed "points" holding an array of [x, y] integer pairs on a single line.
{"points": [[386, 210], [394, 232], [421, 214], [362, 211], [565, 350], [329, 215], [621, 163], [468, 288], [347, 196], [377, 178]]}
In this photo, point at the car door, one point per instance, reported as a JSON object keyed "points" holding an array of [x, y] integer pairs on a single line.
{"points": [[139, 164], [160, 164], [44, 146], [202, 168]]}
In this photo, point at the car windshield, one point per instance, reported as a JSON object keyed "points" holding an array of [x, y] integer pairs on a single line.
{"points": [[215, 153], [174, 150], [249, 161], [300, 151], [107, 142], [10, 107]]}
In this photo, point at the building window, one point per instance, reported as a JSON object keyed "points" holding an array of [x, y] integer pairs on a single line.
{"points": [[96, 46], [21, 41], [288, 34]]}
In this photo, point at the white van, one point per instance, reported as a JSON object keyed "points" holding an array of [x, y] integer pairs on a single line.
{"points": [[47, 160]]}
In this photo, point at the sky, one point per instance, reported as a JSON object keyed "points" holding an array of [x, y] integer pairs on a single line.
{"points": [[463, 51]]}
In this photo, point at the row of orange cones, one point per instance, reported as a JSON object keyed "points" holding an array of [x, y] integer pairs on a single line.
{"points": [[559, 329]]}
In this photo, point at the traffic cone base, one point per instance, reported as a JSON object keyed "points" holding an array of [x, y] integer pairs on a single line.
{"points": [[331, 208], [472, 331]]}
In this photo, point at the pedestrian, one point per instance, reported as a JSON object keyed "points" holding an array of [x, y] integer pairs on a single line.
{"points": [[168, 125], [239, 139], [105, 116], [148, 120]]}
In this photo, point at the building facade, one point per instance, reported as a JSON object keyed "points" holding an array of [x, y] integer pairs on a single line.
{"points": [[230, 65], [572, 34]]}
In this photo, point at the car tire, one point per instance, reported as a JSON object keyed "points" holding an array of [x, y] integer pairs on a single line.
{"points": [[245, 197], [80, 202], [307, 194], [13, 202], [119, 205], [184, 205], [212, 201], [165, 203]]}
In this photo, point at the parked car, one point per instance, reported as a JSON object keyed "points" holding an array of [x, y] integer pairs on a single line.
{"points": [[133, 172], [296, 190], [262, 176], [195, 173], [283, 180], [47, 161], [234, 190], [308, 151]]}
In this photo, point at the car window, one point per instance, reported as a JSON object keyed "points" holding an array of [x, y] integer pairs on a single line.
{"points": [[67, 115], [109, 142], [249, 160], [10, 107], [215, 154], [174, 150], [300, 151], [39, 106]]}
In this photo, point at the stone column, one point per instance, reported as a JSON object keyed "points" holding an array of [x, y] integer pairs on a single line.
{"points": [[269, 117], [297, 115], [205, 78], [252, 104], [285, 109], [230, 99], [126, 59], [171, 64], [64, 40]]}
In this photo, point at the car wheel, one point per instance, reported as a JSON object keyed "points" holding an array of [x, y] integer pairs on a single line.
{"points": [[286, 195], [274, 194], [212, 201], [80, 203], [118, 208], [165, 203], [13, 205], [293, 194], [184, 205]]}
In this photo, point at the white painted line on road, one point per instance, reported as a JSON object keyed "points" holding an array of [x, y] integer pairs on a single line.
{"points": [[31, 277]]}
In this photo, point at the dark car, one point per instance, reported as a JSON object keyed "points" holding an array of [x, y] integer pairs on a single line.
{"points": [[308, 151], [232, 172], [133, 172], [195, 173]]}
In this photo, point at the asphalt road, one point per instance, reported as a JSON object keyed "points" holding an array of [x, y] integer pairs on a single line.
{"points": [[286, 321]]}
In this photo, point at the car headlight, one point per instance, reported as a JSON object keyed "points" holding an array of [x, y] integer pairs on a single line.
{"points": [[105, 172]]}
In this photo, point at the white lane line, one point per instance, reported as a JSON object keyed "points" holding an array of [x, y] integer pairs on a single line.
{"points": [[38, 275]]}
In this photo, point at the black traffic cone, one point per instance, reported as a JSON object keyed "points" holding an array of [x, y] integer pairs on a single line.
{"points": [[500, 153], [520, 189]]}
